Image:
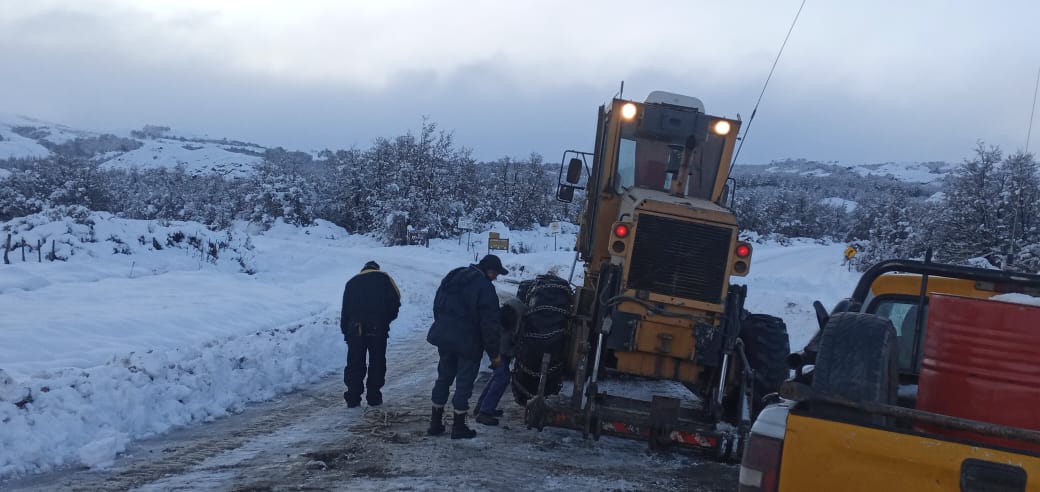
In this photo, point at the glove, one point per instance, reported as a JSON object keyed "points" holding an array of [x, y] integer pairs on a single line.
{"points": [[495, 363]]}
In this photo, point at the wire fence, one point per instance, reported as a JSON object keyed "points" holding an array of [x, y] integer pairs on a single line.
{"points": [[22, 245]]}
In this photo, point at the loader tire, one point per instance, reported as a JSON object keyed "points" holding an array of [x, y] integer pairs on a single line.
{"points": [[767, 346], [544, 329], [857, 361]]}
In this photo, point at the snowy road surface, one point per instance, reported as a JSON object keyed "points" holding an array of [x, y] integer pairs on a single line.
{"points": [[309, 440]]}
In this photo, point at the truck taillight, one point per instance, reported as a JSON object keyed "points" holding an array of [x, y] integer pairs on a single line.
{"points": [[760, 468]]}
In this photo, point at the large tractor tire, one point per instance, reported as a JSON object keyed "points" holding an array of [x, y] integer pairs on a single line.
{"points": [[857, 361], [767, 346], [543, 330]]}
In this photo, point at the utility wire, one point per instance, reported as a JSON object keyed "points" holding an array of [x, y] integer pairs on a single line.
{"points": [[1033, 111], [766, 84]]}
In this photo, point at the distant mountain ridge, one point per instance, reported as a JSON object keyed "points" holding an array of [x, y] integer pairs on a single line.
{"points": [[153, 146], [908, 172]]}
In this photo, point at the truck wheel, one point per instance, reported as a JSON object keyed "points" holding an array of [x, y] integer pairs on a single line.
{"points": [[857, 361], [767, 346]]}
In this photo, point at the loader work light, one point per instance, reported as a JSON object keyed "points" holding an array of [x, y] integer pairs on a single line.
{"points": [[628, 111], [721, 127]]}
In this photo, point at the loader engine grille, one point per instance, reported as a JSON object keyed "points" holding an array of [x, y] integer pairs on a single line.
{"points": [[680, 259]]}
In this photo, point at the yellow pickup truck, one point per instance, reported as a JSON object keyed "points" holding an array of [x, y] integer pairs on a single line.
{"points": [[885, 399]]}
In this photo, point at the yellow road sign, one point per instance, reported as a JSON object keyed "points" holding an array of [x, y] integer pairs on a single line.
{"points": [[502, 244], [850, 252]]}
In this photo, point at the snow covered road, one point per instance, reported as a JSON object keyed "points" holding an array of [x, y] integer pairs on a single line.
{"points": [[309, 440]]}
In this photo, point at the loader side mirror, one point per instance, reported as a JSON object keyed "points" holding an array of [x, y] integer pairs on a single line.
{"points": [[573, 172], [565, 193]]}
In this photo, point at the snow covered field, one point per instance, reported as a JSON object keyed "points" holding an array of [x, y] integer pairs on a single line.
{"points": [[125, 340]]}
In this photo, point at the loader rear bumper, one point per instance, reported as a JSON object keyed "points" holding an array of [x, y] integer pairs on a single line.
{"points": [[661, 423]]}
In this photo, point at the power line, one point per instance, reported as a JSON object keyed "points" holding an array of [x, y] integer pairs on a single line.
{"points": [[1033, 111], [766, 84]]}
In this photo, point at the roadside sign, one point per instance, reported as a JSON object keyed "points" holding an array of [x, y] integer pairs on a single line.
{"points": [[494, 243], [466, 224], [850, 253], [554, 227], [493, 235]]}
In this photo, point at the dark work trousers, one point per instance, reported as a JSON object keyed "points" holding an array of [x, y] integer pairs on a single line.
{"points": [[495, 388], [461, 370], [354, 373]]}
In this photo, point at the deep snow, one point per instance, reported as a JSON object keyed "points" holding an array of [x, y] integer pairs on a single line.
{"points": [[107, 347]]}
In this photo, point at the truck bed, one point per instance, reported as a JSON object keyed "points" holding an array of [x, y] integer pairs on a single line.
{"points": [[830, 455]]}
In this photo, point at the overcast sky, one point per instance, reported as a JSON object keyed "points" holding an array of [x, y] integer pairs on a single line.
{"points": [[860, 81]]}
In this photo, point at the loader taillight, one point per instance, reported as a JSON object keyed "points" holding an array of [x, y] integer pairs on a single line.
{"points": [[760, 468], [621, 230], [743, 250]]}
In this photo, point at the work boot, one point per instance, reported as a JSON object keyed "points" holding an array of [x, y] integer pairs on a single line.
{"points": [[459, 429], [436, 422], [486, 419]]}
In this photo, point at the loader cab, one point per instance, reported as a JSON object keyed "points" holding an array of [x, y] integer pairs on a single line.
{"points": [[666, 149], [672, 149]]}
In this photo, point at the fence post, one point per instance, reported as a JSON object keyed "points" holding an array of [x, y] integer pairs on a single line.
{"points": [[23, 250], [7, 246], [39, 251], [54, 255]]}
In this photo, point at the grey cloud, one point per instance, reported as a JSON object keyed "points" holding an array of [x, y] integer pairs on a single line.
{"points": [[120, 69]]}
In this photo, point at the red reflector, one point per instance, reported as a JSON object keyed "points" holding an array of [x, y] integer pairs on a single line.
{"points": [[621, 230], [743, 251]]}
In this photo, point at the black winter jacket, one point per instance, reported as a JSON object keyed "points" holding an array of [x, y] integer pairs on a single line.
{"points": [[466, 318], [370, 302]]}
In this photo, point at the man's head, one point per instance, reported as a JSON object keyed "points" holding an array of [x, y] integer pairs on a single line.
{"points": [[370, 266], [491, 265]]}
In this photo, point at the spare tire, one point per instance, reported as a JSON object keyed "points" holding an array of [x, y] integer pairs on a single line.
{"points": [[857, 361], [767, 346]]}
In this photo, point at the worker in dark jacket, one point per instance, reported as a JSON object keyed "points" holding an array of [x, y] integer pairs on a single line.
{"points": [[487, 411], [371, 301], [466, 324]]}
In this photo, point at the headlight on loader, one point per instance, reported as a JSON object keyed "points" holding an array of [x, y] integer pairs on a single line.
{"points": [[721, 127], [628, 111]]}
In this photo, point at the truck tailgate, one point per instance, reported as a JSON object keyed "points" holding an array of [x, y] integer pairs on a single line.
{"points": [[828, 455]]}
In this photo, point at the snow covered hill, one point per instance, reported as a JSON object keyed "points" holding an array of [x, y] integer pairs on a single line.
{"points": [[125, 340], [15, 146], [23, 137], [908, 172], [156, 146]]}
